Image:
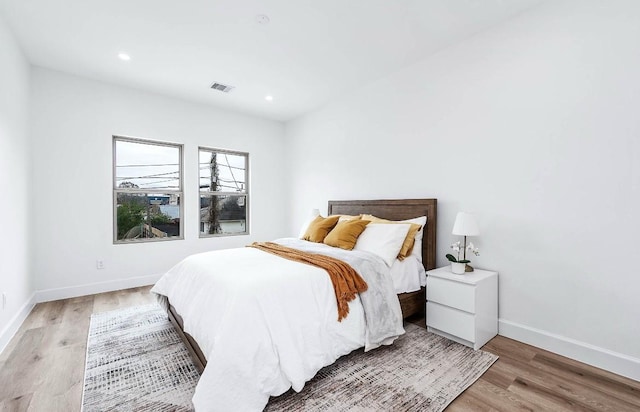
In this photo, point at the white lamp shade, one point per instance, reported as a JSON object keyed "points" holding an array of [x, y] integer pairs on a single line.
{"points": [[465, 225]]}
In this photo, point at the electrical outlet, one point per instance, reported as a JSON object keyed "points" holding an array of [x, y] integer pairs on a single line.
{"points": [[100, 264]]}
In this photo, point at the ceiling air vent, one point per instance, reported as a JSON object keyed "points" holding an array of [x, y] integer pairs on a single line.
{"points": [[222, 87]]}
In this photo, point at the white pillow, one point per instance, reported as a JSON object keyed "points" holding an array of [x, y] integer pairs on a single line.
{"points": [[306, 224], [417, 246], [383, 240]]}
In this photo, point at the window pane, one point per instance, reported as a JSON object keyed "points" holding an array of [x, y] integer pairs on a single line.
{"points": [[223, 215], [223, 172], [145, 216], [147, 166]]}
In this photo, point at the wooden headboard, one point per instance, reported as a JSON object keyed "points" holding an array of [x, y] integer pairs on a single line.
{"points": [[397, 209]]}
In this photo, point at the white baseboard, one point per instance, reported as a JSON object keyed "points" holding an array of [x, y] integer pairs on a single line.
{"points": [[592, 355], [92, 288], [14, 324]]}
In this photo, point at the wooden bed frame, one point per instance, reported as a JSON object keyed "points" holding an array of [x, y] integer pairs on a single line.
{"points": [[392, 209]]}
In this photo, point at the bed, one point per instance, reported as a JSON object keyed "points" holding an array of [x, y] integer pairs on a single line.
{"points": [[348, 333]]}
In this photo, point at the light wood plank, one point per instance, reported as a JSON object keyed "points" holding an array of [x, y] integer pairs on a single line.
{"points": [[505, 347], [45, 314], [499, 377], [589, 376], [41, 315], [17, 404], [105, 302], [22, 370], [69, 400], [499, 398], [65, 366], [543, 396], [573, 392], [469, 403]]}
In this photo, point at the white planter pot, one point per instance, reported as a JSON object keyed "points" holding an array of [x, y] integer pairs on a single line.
{"points": [[458, 268]]}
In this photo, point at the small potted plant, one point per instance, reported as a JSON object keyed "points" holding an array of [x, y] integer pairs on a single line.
{"points": [[458, 266]]}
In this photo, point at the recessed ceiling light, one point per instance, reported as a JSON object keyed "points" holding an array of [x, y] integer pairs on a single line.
{"points": [[268, 98], [124, 56], [262, 19]]}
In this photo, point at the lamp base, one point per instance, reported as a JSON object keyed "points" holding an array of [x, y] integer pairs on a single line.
{"points": [[468, 268]]}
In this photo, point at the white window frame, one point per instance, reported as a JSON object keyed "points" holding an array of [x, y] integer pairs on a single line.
{"points": [[246, 192], [116, 190]]}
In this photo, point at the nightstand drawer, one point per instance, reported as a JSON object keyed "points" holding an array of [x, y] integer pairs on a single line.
{"points": [[451, 321], [457, 295]]}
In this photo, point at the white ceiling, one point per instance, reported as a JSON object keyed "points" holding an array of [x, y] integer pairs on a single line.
{"points": [[310, 52]]}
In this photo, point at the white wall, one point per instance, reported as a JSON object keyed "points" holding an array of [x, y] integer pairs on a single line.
{"points": [[73, 120], [534, 126], [15, 280]]}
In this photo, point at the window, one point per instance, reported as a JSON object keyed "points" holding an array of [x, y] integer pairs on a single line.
{"points": [[224, 192], [147, 190]]}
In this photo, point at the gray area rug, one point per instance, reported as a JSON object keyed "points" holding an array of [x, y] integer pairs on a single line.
{"points": [[421, 371], [136, 361]]}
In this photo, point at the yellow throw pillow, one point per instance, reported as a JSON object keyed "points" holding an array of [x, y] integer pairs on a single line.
{"points": [[346, 233], [409, 240], [319, 228]]}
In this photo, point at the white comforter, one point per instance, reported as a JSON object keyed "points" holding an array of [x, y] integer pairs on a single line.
{"points": [[266, 324]]}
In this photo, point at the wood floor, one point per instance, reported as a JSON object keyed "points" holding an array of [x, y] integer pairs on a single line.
{"points": [[42, 368]]}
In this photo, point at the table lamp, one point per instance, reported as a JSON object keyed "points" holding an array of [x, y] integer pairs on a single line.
{"points": [[465, 225]]}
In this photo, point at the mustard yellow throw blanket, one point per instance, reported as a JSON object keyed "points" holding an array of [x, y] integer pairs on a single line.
{"points": [[346, 281]]}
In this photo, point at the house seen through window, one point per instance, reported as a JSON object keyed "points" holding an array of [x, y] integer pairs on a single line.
{"points": [[147, 190], [224, 192]]}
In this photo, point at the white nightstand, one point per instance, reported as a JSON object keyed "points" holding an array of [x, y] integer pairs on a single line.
{"points": [[463, 308]]}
